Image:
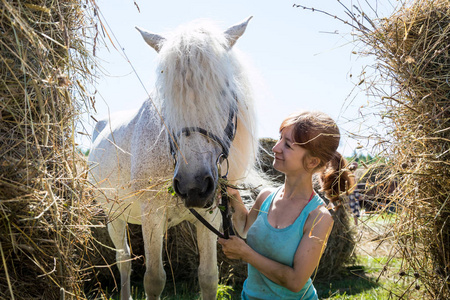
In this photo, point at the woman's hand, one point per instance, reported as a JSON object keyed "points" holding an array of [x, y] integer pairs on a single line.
{"points": [[233, 192], [234, 247], [239, 216]]}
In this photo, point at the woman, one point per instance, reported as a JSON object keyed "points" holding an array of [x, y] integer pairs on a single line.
{"points": [[287, 228]]}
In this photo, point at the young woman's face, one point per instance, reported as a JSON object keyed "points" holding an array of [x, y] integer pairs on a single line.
{"points": [[288, 155]]}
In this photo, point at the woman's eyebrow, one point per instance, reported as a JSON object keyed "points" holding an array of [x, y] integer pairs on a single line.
{"points": [[288, 139]]}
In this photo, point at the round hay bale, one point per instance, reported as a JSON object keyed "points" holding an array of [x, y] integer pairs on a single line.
{"points": [[45, 212], [412, 52], [339, 252], [265, 156]]}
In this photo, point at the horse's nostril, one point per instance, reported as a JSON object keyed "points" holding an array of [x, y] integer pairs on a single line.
{"points": [[176, 187], [209, 186]]}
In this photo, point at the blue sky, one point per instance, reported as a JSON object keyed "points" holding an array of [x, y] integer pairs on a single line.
{"points": [[303, 59]]}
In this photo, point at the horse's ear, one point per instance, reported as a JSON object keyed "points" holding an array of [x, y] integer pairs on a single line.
{"points": [[154, 40], [236, 31]]}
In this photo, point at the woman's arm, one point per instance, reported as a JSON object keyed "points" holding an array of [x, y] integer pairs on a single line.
{"points": [[242, 218], [307, 257]]}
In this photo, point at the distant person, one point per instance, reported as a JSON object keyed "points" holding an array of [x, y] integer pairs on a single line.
{"points": [[288, 227], [353, 197]]}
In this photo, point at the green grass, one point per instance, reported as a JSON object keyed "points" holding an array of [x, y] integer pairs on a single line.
{"points": [[370, 278]]}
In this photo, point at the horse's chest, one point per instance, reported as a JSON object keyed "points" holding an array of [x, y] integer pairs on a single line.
{"points": [[163, 203]]}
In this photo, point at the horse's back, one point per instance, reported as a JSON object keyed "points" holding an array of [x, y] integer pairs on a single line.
{"points": [[111, 140]]}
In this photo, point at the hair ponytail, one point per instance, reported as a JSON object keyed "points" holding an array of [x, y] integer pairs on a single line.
{"points": [[336, 178]]}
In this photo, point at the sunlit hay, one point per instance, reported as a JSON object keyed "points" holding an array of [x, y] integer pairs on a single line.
{"points": [[44, 210], [413, 62]]}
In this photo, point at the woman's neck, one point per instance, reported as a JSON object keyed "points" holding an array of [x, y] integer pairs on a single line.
{"points": [[298, 188]]}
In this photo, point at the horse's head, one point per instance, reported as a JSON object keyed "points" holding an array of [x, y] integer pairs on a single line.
{"points": [[198, 83]]}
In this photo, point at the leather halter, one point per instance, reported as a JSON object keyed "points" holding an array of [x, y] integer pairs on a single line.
{"points": [[225, 143]]}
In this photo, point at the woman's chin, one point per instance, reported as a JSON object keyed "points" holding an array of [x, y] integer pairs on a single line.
{"points": [[277, 166]]}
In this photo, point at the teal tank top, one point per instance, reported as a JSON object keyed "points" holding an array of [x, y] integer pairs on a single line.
{"points": [[279, 245]]}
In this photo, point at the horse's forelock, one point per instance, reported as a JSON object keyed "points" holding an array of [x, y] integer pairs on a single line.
{"points": [[199, 80], [196, 78]]}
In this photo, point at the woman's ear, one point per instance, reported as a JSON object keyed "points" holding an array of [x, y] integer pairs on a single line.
{"points": [[313, 162]]}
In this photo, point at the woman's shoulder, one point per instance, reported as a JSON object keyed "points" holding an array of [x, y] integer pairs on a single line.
{"points": [[266, 192], [322, 214], [263, 194]]}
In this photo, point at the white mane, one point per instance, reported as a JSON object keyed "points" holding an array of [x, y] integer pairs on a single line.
{"points": [[199, 81]]}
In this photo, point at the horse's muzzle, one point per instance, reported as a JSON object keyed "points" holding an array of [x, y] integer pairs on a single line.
{"points": [[199, 193]]}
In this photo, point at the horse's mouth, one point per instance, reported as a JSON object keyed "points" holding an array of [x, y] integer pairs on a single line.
{"points": [[209, 203], [198, 202], [200, 196]]}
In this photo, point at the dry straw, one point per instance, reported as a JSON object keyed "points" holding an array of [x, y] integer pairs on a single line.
{"points": [[412, 85], [412, 48], [44, 211]]}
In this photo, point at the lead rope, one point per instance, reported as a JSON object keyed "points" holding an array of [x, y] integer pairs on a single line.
{"points": [[206, 223], [227, 224]]}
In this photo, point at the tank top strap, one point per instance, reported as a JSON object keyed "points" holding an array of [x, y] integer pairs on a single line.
{"points": [[314, 203]]}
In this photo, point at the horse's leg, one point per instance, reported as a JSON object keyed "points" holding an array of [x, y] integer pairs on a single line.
{"points": [[208, 275], [153, 226], [118, 232]]}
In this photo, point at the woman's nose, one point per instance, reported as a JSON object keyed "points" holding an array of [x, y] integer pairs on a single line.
{"points": [[275, 148]]}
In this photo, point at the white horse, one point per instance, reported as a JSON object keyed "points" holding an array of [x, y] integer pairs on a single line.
{"points": [[201, 111]]}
